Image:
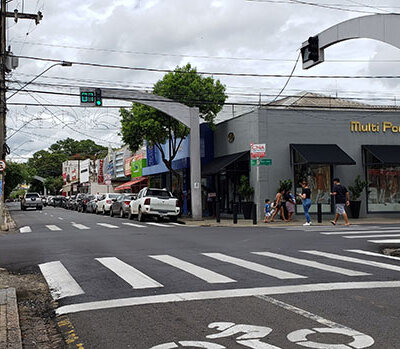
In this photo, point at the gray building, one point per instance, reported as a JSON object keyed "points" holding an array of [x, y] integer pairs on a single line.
{"points": [[316, 138]]}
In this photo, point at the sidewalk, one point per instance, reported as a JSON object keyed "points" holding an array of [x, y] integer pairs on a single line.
{"points": [[10, 332]]}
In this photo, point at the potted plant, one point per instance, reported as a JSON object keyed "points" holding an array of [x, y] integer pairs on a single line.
{"points": [[355, 192], [246, 191]]}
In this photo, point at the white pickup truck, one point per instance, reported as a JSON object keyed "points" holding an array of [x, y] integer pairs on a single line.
{"points": [[31, 200], [157, 203]]}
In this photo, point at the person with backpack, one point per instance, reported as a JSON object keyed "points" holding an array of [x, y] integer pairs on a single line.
{"points": [[342, 199]]}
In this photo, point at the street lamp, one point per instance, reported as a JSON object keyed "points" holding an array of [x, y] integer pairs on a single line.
{"points": [[63, 64]]}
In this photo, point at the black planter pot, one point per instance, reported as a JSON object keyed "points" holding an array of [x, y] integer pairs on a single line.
{"points": [[355, 209], [246, 209]]}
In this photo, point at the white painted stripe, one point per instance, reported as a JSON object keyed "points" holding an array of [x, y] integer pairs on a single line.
{"points": [[132, 276], [223, 294], [372, 236], [108, 225], [313, 264], [53, 228], [207, 275], [368, 253], [60, 281], [60, 218], [80, 226], [388, 241], [135, 225], [159, 224], [178, 224], [26, 229], [279, 274], [354, 260], [348, 232]]}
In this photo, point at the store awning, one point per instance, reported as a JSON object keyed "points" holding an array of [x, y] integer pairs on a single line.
{"points": [[128, 185], [384, 154], [219, 164], [330, 154]]}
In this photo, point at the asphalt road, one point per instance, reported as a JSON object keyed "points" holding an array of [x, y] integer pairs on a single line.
{"points": [[174, 286]]}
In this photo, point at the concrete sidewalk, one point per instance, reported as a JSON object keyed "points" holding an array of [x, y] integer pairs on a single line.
{"points": [[10, 332]]}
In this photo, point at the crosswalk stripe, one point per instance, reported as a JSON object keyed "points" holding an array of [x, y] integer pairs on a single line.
{"points": [[354, 260], [25, 229], [159, 224], [111, 226], [207, 275], [135, 225], [60, 218], [132, 276], [53, 228], [368, 253], [372, 236], [279, 274], [388, 241], [312, 264], [60, 281], [80, 226], [348, 232]]}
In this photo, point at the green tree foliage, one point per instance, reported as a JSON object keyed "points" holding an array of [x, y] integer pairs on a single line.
{"points": [[15, 175], [53, 184], [80, 150], [184, 85]]}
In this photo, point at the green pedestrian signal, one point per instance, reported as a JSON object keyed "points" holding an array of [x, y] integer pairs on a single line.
{"points": [[98, 100], [91, 97]]}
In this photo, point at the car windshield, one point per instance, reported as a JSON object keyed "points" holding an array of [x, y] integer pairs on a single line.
{"points": [[32, 195], [113, 196], [158, 193]]}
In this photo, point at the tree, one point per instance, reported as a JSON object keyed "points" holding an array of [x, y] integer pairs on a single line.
{"points": [[79, 149], [186, 86], [54, 184], [15, 174]]}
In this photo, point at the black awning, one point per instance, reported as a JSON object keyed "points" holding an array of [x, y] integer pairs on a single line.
{"points": [[330, 154], [384, 154], [220, 164]]}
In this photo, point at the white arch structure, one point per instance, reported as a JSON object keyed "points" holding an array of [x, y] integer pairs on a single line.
{"points": [[187, 116], [381, 27]]}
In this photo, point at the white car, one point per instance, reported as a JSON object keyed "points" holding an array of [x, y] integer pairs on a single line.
{"points": [[104, 203], [152, 202]]}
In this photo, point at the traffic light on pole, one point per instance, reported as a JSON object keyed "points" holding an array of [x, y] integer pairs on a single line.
{"points": [[313, 48], [97, 97]]}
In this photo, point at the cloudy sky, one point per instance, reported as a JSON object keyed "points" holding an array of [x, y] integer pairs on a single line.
{"points": [[230, 36]]}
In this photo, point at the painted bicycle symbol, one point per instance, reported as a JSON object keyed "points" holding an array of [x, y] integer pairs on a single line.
{"points": [[250, 336]]}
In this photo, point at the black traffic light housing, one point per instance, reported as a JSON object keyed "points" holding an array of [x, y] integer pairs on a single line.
{"points": [[97, 98], [311, 51]]}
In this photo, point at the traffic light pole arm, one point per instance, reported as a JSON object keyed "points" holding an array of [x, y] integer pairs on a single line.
{"points": [[382, 27]]}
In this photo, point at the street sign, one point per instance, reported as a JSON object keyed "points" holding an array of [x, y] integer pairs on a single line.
{"points": [[257, 150], [262, 162], [3, 165]]}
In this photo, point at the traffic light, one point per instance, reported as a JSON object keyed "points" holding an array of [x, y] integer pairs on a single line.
{"points": [[97, 98], [313, 48]]}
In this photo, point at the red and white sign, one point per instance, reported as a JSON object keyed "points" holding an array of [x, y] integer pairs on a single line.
{"points": [[257, 150], [3, 165]]}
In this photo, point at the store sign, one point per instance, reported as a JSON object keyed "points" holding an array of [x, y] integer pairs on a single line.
{"points": [[84, 171], [127, 166], [151, 155], [137, 168], [261, 162], [257, 150], [374, 127], [100, 172]]}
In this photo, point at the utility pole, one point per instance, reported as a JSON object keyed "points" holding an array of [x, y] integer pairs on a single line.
{"points": [[5, 68]]}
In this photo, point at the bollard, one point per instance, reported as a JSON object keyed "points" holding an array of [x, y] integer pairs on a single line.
{"points": [[235, 213], [319, 212], [254, 214], [217, 211]]}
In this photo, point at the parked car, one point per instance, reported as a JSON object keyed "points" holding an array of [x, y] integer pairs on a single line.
{"points": [[44, 200], [151, 202], [103, 205], [120, 207], [70, 202], [92, 204], [83, 202], [31, 200], [57, 201]]}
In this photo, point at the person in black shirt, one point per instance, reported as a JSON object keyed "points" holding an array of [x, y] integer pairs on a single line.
{"points": [[306, 198], [342, 199]]}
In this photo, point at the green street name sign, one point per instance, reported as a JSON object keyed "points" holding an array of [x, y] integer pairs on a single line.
{"points": [[263, 162]]}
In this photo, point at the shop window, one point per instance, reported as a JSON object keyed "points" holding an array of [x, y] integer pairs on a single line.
{"points": [[383, 188], [319, 181]]}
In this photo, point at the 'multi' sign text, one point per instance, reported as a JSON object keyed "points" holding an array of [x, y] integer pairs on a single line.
{"points": [[373, 127]]}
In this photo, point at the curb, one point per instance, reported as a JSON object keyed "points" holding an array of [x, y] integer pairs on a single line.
{"points": [[8, 220], [10, 331]]}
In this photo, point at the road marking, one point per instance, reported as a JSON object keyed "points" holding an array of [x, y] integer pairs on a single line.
{"points": [[372, 236], [108, 225], [135, 225], [60, 281], [223, 294], [348, 232], [60, 218], [368, 253], [132, 276], [388, 241], [354, 260], [312, 264], [159, 224], [279, 274], [80, 226], [53, 228], [26, 229], [207, 275]]}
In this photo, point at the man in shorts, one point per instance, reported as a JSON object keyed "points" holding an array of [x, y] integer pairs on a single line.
{"points": [[342, 199]]}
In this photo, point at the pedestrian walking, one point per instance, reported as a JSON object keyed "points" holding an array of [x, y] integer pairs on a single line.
{"points": [[290, 204], [306, 199], [267, 210], [278, 204], [342, 199]]}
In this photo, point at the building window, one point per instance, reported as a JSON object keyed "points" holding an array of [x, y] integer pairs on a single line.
{"points": [[319, 179]]}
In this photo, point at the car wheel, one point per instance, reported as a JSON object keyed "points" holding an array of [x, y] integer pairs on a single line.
{"points": [[140, 216], [121, 213], [111, 212]]}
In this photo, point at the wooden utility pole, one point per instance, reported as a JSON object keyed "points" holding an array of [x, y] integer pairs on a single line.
{"points": [[4, 150]]}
